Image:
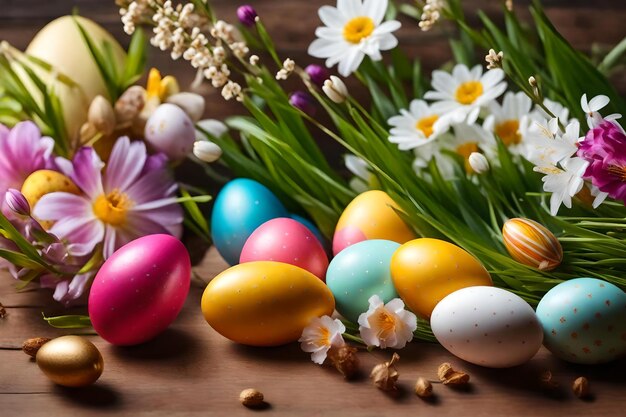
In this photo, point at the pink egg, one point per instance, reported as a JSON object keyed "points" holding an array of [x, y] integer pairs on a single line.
{"points": [[140, 289], [288, 241], [347, 236]]}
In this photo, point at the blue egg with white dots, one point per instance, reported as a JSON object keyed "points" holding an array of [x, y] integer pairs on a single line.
{"points": [[358, 272], [240, 207], [584, 321]]}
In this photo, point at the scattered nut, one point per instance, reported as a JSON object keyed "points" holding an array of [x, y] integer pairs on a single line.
{"points": [[32, 346], [251, 398], [345, 360], [581, 387], [449, 376], [385, 375], [546, 380], [423, 388], [3, 312]]}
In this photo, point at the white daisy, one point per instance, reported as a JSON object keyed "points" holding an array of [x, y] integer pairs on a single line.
{"points": [[354, 28], [387, 325], [320, 336], [417, 126], [463, 93], [467, 139], [509, 121], [563, 182]]}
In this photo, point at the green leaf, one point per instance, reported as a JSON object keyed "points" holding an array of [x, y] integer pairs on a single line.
{"points": [[69, 321], [136, 59]]}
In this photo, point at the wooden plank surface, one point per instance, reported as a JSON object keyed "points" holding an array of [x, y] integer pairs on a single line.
{"points": [[191, 370]]}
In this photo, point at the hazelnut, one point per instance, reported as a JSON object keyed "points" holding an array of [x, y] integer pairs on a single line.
{"points": [[581, 387], [423, 388], [251, 398], [32, 346]]}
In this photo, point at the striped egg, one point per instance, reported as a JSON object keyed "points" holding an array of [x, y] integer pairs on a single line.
{"points": [[532, 244]]}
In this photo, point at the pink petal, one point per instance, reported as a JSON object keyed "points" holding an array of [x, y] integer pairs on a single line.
{"points": [[60, 205], [87, 166], [125, 164]]}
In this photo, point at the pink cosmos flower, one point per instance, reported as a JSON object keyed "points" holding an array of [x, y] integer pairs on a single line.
{"points": [[604, 147], [133, 197]]}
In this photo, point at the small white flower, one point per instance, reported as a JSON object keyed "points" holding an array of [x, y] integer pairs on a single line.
{"points": [[362, 175], [213, 127], [353, 29], [335, 89], [466, 140], [509, 121], [463, 93], [592, 109], [320, 336], [600, 196], [387, 325], [557, 109], [478, 162], [417, 126], [547, 146], [207, 151], [564, 182]]}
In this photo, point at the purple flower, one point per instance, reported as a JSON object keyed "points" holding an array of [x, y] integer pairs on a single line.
{"points": [[247, 15], [317, 73], [604, 147], [22, 151], [303, 101], [17, 203], [134, 197]]}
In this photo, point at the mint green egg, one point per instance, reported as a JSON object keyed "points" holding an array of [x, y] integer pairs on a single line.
{"points": [[358, 272]]}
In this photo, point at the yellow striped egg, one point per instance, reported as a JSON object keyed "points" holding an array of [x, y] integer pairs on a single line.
{"points": [[532, 244]]}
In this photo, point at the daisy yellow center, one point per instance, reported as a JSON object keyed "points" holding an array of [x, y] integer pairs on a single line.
{"points": [[618, 171], [425, 124], [468, 92], [385, 323], [508, 131], [465, 150], [358, 28], [112, 208]]}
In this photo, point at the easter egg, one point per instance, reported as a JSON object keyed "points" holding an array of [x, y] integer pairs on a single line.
{"points": [[286, 240], [61, 45], [265, 303], [358, 272], [309, 224], [45, 181], [71, 361], [240, 207], [371, 215], [140, 289], [584, 321], [487, 326], [170, 130], [424, 271]]}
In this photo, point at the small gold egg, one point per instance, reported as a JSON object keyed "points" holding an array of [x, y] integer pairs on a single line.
{"points": [[71, 361]]}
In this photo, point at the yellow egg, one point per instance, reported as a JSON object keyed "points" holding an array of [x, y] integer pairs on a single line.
{"points": [[265, 303], [371, 215], [45, 181], [424, 271], [71, 361], [60, 44]]}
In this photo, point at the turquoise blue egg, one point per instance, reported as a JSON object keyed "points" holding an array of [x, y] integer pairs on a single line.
{"points": [[309, 225], [240, 207], [358, 272], [584, 321]]}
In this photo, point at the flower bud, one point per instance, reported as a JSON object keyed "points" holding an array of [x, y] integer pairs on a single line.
{"points": [[304, 102], [213, 127], [207, 151], [478, 162], [335, 89], [247, 15], [16, 201], [317, 73], [101, 115], [192, 104], [532, 244]]}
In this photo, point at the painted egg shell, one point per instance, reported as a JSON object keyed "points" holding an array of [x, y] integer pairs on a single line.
{"points": [[584, 321], [240, 207], [358, 272], [289, 241], [171, 131], [71, 361], [424, 271], [487, 326], [371, 215], [265, 303], [140, 289], [309, 224]]}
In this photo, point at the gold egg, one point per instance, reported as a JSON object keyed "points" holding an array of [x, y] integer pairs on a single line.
{"points": [[71, 361]]}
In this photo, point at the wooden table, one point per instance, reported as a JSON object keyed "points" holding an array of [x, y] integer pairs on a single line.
{"points": [[191, 370]]}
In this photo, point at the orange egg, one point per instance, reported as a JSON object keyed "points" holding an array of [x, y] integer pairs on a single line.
{"points": [[532, 244]]}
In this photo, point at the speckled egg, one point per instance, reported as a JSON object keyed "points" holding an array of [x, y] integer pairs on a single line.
{"points": [[358, 272], [487, 326], [240, 207], [140, 289], [309, 224], [584, 321], [289, 241], [424, 271], [171, 131], [265, 303], [371, 215]]}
